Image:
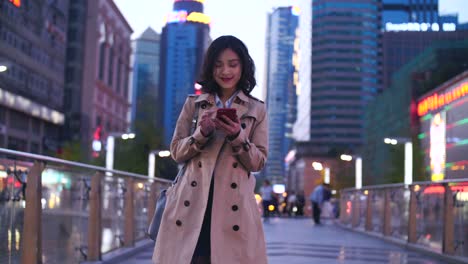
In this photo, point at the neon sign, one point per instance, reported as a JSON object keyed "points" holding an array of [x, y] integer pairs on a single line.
{"points": [[182, 16], [16, 3], [420, 27], [437, 101]]}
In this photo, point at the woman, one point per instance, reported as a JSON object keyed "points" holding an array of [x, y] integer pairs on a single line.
{"points": [[211, 214]]}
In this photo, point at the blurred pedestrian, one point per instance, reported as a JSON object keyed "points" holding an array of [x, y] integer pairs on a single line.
{"points": [[267, 199], [319, 195], [211, 215]]}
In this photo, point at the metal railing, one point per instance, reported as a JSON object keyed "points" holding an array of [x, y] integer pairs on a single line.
{"points": [[58, 211], [428, 215]]}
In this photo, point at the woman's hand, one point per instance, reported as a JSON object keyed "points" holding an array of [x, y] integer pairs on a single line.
{"points": [[207, 126], [229, 127]]}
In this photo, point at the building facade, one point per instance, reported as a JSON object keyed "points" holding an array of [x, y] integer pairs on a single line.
{"points": [[282, 25], [409, 11], [97, 73], [32, 44], [146, 95], [184, 40]]}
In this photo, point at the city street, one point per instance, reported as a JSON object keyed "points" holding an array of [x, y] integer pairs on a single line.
{"points": [[298, 241]]}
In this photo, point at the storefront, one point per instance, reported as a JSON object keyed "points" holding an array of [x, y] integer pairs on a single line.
{"points": [[443, 117]]}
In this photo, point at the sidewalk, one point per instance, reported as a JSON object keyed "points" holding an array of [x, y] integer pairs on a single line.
{"points": [[298, 241]]}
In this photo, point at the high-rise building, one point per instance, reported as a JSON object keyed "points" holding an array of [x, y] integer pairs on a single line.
{"points": [[282, 25], [184, 40], [97, 73], [146, 95], [409, 11], [32, 46]]}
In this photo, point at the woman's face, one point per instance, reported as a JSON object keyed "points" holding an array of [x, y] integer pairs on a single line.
{"points": [[227, 70]]}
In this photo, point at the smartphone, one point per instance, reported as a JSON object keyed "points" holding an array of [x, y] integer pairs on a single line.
{"points": [[229, 112]]}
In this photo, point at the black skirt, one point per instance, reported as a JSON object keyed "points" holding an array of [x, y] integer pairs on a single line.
{"points": [[203, 247]]}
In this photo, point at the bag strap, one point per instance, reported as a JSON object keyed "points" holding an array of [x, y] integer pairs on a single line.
{"points": [[181, 172]]}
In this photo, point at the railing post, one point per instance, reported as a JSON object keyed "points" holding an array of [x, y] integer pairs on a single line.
{"points": [[95, 218], [356, 209], [129, 231], [154, 192], [31, 252], [369, 211], [412, 235], [342, 207], [387, 226], [448, 246]]}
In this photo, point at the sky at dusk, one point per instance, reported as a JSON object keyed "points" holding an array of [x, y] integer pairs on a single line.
{"points": [[245, 19]]}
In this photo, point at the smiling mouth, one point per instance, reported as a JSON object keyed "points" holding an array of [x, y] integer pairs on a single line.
{"points": [[226, 79]]}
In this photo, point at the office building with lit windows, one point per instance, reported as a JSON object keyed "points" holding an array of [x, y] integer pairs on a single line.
{"points": [[184, 39], [97, 100], [282, 25], [32, 46]]}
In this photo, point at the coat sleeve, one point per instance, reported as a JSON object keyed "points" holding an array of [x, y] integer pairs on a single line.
{"points": [[253, 154], [185, 146]]}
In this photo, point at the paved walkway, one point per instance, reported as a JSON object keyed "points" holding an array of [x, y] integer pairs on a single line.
{"points": [[298, 241]]}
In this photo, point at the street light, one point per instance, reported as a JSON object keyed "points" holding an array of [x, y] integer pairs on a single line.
{"points": [[4, 66], [110, 144], [358, 168], [319, 167], [408, 156], [152, 161]]}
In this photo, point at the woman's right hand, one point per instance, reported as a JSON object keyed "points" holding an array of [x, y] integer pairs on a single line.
{"points": [[207, 126]]}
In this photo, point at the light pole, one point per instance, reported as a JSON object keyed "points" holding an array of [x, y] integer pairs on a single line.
{"points": [[319, 167], [110, 144], [408, 156], [358, 168], [152, 161]]}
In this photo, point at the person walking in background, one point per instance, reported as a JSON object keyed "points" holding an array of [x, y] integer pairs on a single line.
{"points": [[267, 199], [211, 215], [319, 195]]}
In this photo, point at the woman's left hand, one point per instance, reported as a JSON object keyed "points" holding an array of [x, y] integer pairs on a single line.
{"points": [[229, 127]]}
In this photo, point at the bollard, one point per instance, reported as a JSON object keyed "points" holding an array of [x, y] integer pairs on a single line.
{"points": [[95, 218], [129, 231], [448, 240], [412, 234], [387, 224], [369, 211], [31, 252]]}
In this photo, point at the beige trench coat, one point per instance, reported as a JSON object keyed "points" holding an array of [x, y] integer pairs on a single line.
{"points": [[236, 229]]}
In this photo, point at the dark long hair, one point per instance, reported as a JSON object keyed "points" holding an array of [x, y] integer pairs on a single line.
{"points": [[247, 80]]}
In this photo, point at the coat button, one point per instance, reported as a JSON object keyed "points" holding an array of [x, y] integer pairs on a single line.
{"points": [[194, 184], [235, 228], [233, 185], [199, 164], [235, 207], [203, 106], [187, 203], [178, 223], [243, 125], [234, 165]]}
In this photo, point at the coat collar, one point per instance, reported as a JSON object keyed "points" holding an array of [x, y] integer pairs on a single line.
{"points": [[210, 98], [241, 103]]}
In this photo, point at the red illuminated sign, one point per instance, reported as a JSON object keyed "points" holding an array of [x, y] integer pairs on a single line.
{"points": [[17, 3], [437, 101]]}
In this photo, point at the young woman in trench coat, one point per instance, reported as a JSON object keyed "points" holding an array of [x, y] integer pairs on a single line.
{"points": [[211, 215]]}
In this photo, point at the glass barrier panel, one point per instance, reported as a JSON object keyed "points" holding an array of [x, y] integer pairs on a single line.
{"points": [[399, 208], [429, 218], [65, 212], [362, 210], [348, 196], [113, 193], [141, 195], [377, 202], [460, 206], [13, 175]]}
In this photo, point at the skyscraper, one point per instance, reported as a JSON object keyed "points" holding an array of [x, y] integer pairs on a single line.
{"points": [[146, 95], [183, 43], [282, 24], [33, 45], [409, 11]]}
